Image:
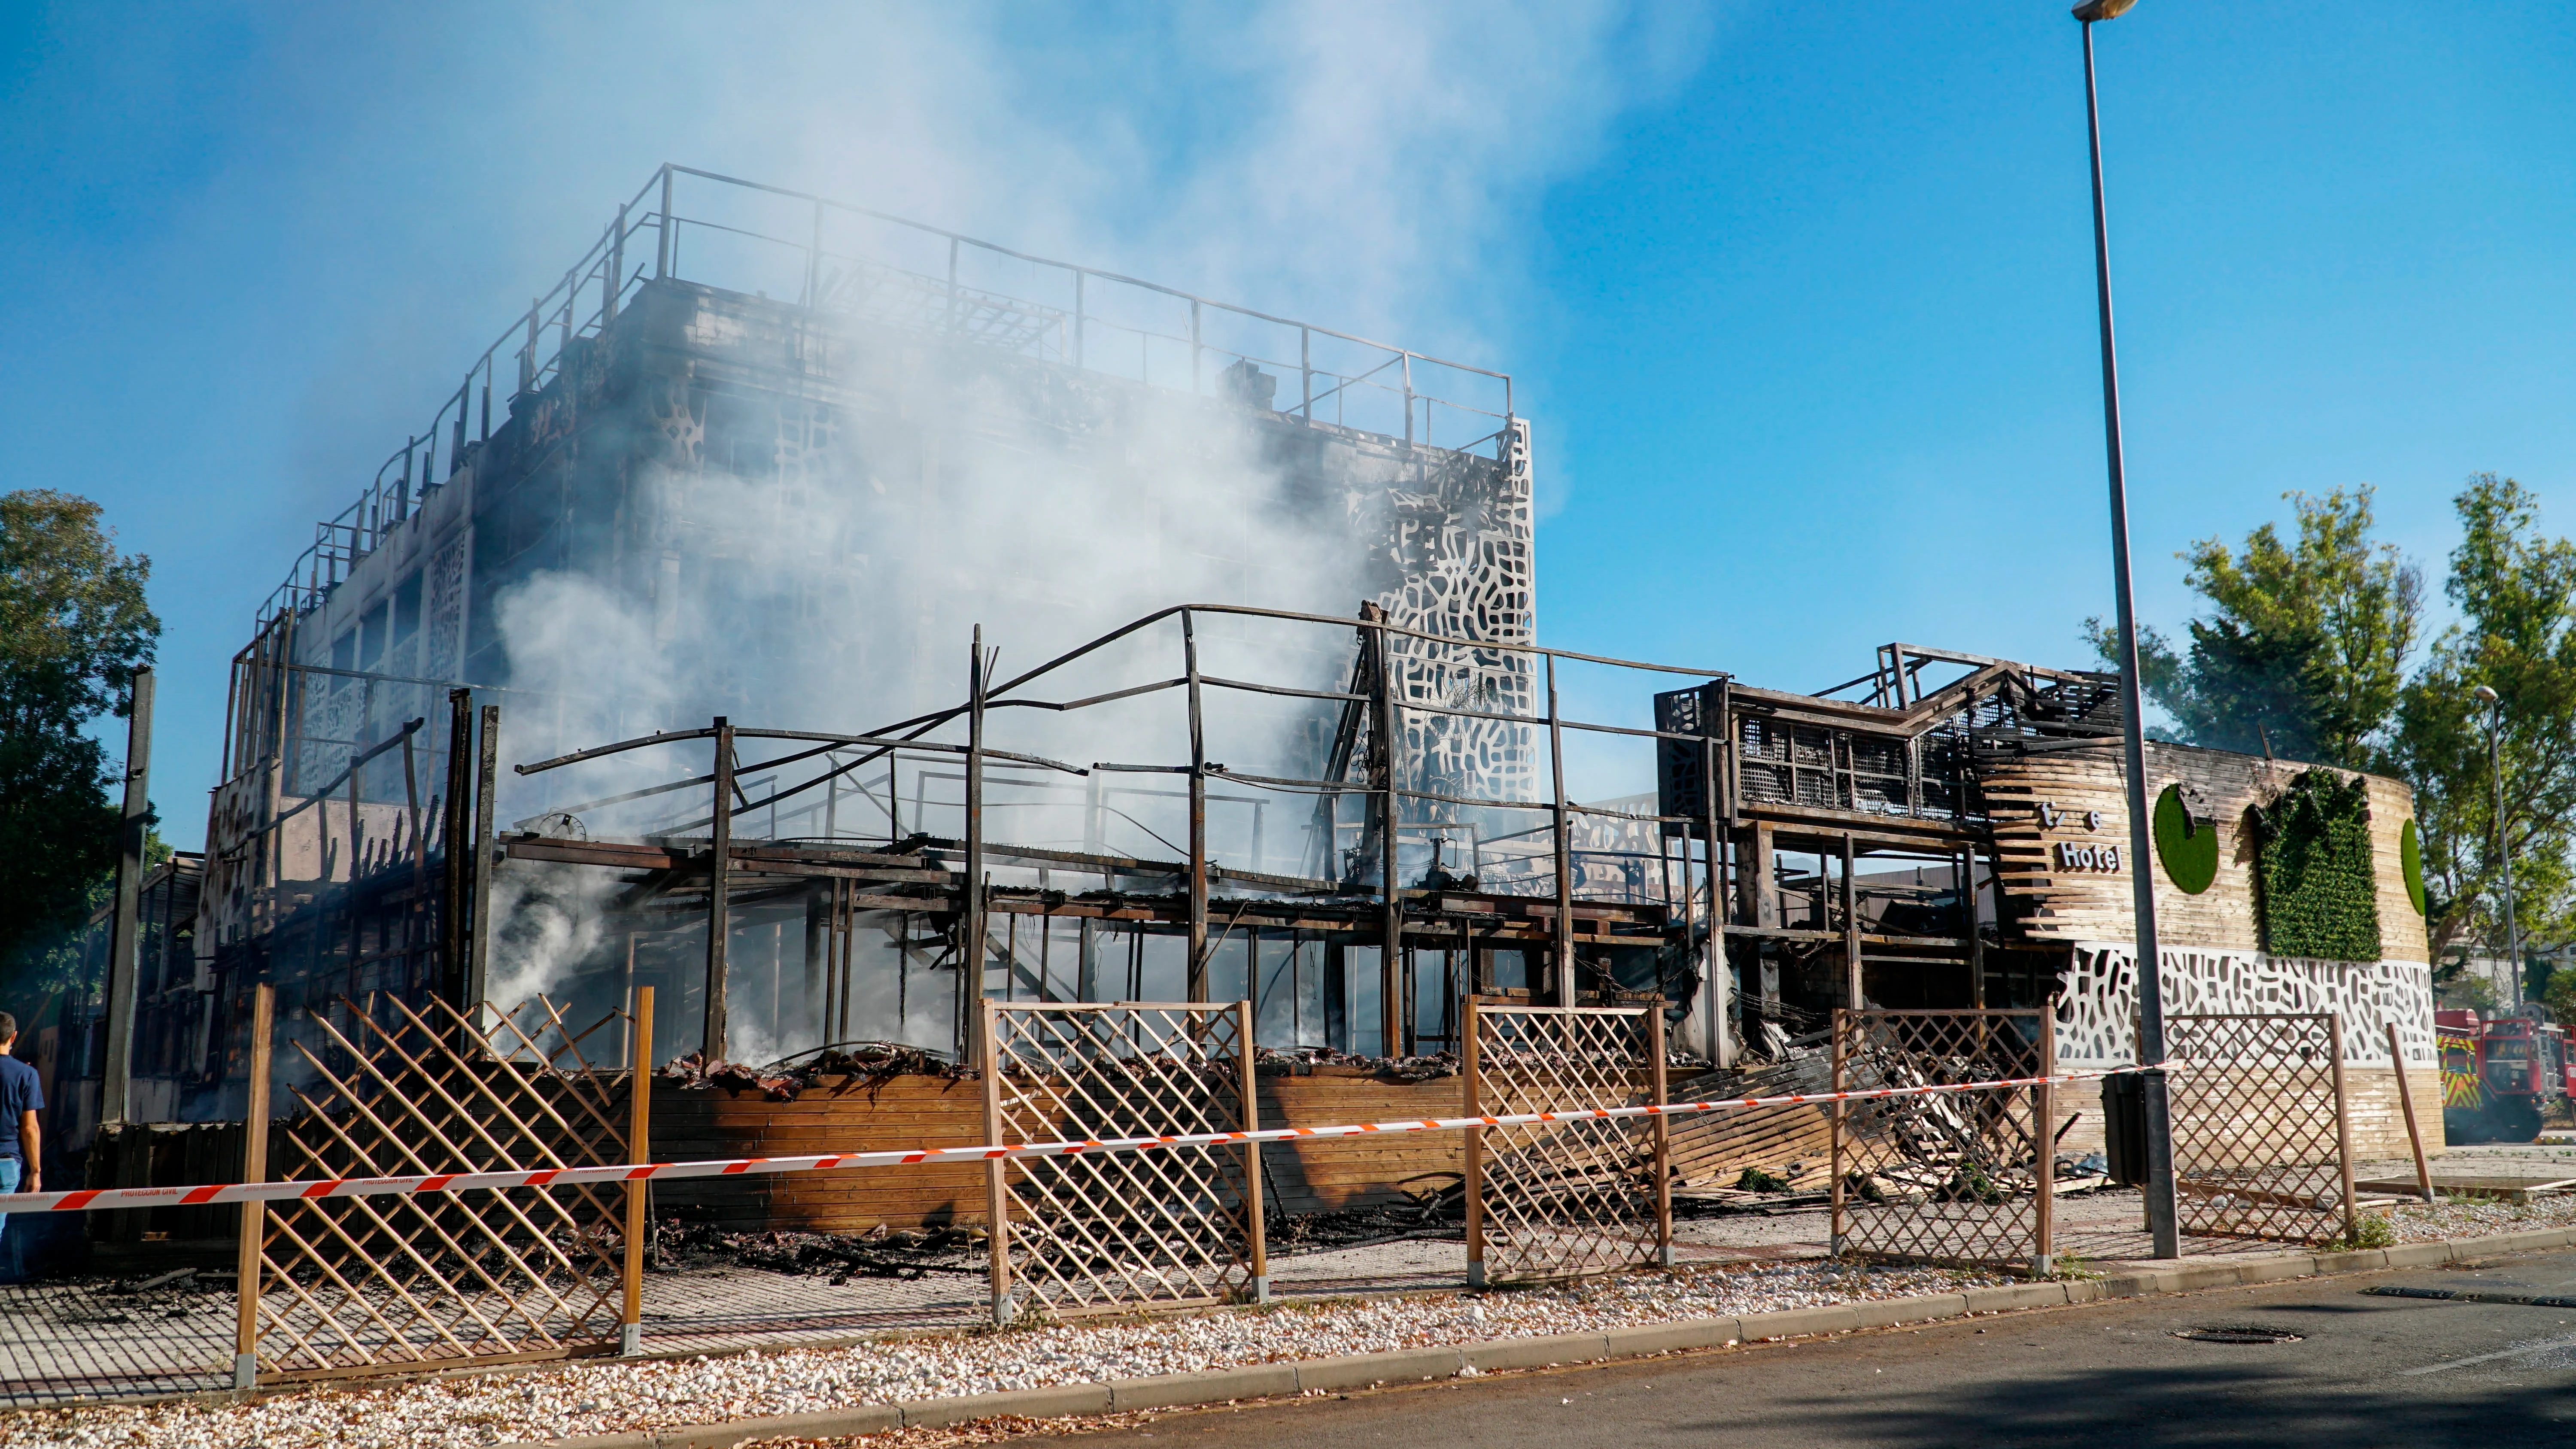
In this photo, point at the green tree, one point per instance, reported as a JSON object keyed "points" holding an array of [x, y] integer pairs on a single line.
{"points": [[2303, 654], [73, 627], [2516, 594]]}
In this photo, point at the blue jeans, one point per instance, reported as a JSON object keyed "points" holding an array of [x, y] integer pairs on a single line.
{"points": [[9, 1170]]}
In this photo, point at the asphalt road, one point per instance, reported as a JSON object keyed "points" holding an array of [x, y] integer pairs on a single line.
{"points": [[2366, 1371]]}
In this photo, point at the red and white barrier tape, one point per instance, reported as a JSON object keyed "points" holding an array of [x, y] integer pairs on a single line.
{"points": [[90, 1199]]}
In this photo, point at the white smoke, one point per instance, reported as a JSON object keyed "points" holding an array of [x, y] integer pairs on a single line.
{"points": [[1375, 169]]}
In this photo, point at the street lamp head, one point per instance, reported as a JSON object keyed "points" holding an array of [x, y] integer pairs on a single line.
{"points": [[2092, 10], [2485, 694]]}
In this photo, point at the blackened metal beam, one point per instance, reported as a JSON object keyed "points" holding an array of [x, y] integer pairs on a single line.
{"points": [[452, 828], [719, 883]]}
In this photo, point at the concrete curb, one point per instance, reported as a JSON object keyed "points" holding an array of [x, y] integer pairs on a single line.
{"points": [[1420, 1365]]}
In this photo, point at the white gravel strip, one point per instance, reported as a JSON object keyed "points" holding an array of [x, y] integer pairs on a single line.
{"points": [[602, 1398], [2477, 1218]]}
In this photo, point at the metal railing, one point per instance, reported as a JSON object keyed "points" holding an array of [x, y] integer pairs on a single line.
{"points": [[842, 259]]}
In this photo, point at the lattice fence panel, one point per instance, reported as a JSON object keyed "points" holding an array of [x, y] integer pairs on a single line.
{"points": [[2260, 1146], [1115, 1229], [1555, 1200], [422, 1280], [1944, 1177]]}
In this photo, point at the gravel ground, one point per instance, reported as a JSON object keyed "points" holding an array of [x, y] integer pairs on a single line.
{"points": [[2473, 1218], [468, 1413]]}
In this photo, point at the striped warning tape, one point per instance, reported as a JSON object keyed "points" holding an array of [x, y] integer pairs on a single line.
{"points": [[92, 1199]]}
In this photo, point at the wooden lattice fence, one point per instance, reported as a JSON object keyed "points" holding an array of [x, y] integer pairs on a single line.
{"points": [[335, 1287], [1944, 1177], [2262, 1143], [1111, 1230], [1553, 1200]]}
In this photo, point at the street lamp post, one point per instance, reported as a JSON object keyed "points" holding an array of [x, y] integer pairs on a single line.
{"points": [[2163, 1227], [2504, 847]]}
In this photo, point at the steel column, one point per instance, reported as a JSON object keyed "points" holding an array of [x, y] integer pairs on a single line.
{"points": [[1390, 1004], [486, 857], [2163, 1225], [1198, 973], [970, 973], [1565, 983], [124, 949]]}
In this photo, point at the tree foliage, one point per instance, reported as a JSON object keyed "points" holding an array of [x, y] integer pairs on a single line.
{"points": [[74, 625], [2516, 594], [2303, 655], [2304, 651]]}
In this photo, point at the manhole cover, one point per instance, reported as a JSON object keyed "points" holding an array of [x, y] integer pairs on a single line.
{"points": [[2239, 1333]]}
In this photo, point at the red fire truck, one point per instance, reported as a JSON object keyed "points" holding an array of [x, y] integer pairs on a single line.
{"points": [[2503, 1075]]}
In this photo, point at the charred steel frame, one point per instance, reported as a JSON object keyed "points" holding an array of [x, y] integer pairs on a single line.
{"points": [[1910, 809]]}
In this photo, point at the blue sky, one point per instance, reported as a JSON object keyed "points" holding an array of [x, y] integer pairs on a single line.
{"points": [[1798, 296]]}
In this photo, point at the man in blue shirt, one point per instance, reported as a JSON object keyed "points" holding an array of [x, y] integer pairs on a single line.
{"points": [[22, 1145]]}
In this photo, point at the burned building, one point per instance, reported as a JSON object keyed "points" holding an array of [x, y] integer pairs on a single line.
{"points": [[665, 658], [775, 457]]}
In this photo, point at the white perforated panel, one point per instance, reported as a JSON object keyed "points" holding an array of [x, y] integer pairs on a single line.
{"points": [[2097, 1014]]}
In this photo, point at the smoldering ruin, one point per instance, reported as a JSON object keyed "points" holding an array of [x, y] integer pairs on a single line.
{"points": [[834, 624]]}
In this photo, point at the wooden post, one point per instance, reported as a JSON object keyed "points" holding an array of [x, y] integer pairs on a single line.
{"points": [[1256, 1229], [1834, 1119], [2043, 1113], [1968, 926], [254, 1216], [1851, 927], [819, 899], [1197, 979], [2406, 1099], [1663, 1135], [2343, 1134], [1472, 1091], [639, 1149], [1565, 983], [997, 1210], [418, 911], [719, 886]]}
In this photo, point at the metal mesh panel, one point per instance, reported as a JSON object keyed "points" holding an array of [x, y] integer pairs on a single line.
{"points": [[1564, 1199], [1176, 1225], [399, 1283], [1948, 1177], [2260, 1147]]}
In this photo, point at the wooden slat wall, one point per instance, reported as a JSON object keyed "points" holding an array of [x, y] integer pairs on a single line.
{"points": [[1326, 1174], [1713, 1150], [2094, 906], [851, 1116]]}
